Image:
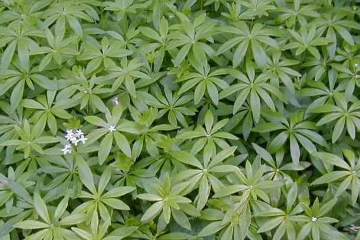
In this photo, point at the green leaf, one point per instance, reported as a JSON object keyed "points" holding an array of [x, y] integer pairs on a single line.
{"points": [[40, 207], [115, 203], [228, 190], [269, 184], [152, 211], [75, 25], [228, 45], [199, 92], [122, 143], [267, 226], [263, 153], [31, 224], [7, 56], [258, 53], [29, 103], [85, 174], [304, 232], [16, 95], [60, 209], [338, 129], [72, 219], [330, 177], [240, 52], [294, 149], [213, 92], [268, 127], [150, 33], [210, 229], [149, 197], [203, 193], [331, 159], [181, 218], [105, 148], [186, 158], [104, 180], [182, 54], [327, 207]]}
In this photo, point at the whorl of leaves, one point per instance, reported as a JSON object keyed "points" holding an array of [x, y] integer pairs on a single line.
{"points": [[179, 119]]}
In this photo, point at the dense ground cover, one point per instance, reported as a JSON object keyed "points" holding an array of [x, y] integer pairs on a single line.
{"points": [[179, 119]]}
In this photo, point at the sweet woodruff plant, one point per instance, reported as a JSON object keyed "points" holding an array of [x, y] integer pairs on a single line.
{"points": [[179, 119]]}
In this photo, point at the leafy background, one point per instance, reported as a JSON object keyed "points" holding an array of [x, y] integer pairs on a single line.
{"points": [[174, 119]]}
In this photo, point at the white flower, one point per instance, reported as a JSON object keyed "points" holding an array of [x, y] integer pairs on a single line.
{"points": [[83, 139], [69, 134], [68, 137], [71, 138], [112, 128], [115, 101], [75, 141], [69, 131], [74, 137], [79, 133], [314, 219], [66, 149], [5, 181]]}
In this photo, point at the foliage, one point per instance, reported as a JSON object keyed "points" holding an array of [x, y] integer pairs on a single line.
{"points": [[179, 119]]}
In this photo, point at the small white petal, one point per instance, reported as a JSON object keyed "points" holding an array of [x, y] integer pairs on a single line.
{"points": [[69, 136], [83, 139], [112, 128], [69, 131], [75, 141], [66, 150], [79, 132], [115, 101]]}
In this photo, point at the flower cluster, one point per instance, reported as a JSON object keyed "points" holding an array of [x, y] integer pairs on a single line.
{"points": [[74, 137]]}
